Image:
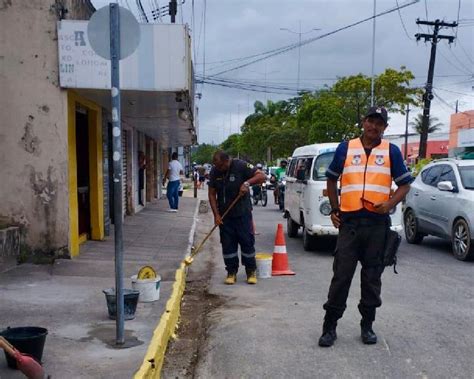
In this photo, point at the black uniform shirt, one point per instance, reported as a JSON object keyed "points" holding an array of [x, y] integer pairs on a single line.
{"points": [[227, 186]]}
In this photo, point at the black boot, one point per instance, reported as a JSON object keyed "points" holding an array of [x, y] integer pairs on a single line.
{"points": [[366, 333], [329, 334]]}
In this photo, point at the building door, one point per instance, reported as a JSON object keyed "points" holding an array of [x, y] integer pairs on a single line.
{"points": [[83, 178]]}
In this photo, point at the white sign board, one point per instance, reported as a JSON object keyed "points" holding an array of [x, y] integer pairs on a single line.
{"points": [[160, 63], [466, 137]]}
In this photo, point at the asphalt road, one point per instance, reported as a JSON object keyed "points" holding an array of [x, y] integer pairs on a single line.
{"points": [[425, 326]]}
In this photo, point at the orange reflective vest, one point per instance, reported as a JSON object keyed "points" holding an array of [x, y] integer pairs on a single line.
{"points": [[365, 181]]}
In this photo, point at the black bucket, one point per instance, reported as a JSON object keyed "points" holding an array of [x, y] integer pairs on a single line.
{"points": [[130, 303], [28, 339]]}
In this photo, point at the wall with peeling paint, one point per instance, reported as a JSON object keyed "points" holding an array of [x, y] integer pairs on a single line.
{"points": [[33, 125]]}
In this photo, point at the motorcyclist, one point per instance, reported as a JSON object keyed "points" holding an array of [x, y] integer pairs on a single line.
{"points": [[280, 174], [257, 189]]}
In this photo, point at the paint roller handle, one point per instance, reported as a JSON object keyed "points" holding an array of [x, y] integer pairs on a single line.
{"points": [[7, 346], [231, 205], [195, 251]]}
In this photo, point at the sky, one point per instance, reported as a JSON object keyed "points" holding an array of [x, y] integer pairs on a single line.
{"points": [[224, 30]]}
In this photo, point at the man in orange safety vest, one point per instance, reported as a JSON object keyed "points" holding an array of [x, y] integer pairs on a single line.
{"points": [[366, 167]]}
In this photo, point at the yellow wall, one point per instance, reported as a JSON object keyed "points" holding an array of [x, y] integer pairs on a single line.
{"points": [[95, 171]]}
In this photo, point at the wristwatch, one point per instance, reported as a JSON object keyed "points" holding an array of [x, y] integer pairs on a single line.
{"points": [[247, 184]]}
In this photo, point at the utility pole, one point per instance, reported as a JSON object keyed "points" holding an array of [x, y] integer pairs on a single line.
{"points": [[457, 106], [372, 79], [428, 96], [173, 9], [299, 49], [405, 153]]}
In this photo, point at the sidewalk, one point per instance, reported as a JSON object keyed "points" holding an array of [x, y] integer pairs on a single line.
{"points": [[67, 299]]}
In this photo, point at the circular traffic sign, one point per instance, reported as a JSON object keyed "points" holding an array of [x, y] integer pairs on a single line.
{"points": [[98, 32]]}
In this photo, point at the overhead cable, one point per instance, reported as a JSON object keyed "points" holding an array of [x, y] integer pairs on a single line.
{"points": [[287, 48]]}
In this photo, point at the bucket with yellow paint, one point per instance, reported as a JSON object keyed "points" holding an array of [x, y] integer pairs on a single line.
{"points": [[264, 265], [149, 288]]}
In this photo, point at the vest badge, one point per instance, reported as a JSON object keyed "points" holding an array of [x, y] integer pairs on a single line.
{"points": [[356, 159], [379, 160]]}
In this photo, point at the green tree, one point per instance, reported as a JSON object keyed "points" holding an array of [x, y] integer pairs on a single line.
{"points": [[203, 153], [232, 145], [433, 125]]}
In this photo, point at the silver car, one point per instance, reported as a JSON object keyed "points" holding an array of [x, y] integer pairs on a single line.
{"points": [[441, 203]]}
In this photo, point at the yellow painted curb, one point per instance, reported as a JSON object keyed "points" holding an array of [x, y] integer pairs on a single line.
{"points": [[153, 361]]}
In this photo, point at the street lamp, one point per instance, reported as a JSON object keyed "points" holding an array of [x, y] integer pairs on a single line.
{"points": [[300, 33]]}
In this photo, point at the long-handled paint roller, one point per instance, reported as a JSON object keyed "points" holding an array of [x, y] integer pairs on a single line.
{"points": [[25, 363], [189, 259]]}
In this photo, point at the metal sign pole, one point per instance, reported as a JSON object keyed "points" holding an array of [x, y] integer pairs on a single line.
{"points": [[117, 158]]}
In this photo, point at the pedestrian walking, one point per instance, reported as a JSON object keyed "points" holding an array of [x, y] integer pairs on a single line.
{"points": [[175, 169], [366, 167], [227, 179]]}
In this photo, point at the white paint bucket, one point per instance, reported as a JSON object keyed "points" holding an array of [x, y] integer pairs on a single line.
{"points": [[264, 265], [149, 288]]}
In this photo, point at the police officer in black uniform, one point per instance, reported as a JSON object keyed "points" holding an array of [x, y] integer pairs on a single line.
{"points": [[229, 178]]}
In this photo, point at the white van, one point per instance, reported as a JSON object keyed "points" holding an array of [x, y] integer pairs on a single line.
{"points": [[306, 201]]}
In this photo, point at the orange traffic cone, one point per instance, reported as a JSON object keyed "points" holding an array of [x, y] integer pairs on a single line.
{"points": [[280, 258]]}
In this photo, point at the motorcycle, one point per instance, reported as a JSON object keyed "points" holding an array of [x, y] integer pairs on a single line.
{"points": [[259, 193]]}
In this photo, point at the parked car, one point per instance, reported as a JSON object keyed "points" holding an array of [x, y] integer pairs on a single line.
{"points": [[441, 203], [307, 204]]}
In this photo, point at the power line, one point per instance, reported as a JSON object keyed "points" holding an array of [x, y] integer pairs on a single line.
{"points": [[458, 93], [465, 52], [287, 48], [457, 21], [461, 64], [401, 20]]}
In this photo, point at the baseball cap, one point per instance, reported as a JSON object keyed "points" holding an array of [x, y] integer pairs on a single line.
{"points": [[378, 111]]}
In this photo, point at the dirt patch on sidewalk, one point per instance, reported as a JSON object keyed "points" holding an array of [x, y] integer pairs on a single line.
{"points": [[183, 353]]}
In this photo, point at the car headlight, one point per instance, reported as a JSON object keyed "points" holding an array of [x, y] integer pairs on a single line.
{"points": [[325, 208], [264, 184]]}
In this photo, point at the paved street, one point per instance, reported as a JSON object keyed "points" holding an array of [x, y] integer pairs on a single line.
{"points": [[271, 330]]}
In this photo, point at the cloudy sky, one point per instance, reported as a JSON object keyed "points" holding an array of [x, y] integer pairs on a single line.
{"points": [[229, 30]]}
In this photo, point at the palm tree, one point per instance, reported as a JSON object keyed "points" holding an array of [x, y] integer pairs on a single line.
{"points": [[433, 125]]}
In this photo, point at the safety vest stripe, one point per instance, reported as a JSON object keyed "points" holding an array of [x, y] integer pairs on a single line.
{"points": [[376, 169], [280, 249], [368, 187], [355, 151], [379, 151]]}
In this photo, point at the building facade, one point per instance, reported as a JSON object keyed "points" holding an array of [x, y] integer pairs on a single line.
{"points": [[55, 142]]}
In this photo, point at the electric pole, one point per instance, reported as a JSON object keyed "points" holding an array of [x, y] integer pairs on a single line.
{"points": [[428, 96], [173, 9], [300, 33], [405, 153]]}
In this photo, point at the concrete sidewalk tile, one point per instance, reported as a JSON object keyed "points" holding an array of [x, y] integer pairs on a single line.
{"points": [[67, 297]]}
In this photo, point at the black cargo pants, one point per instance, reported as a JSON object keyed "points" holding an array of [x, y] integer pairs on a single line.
{"points": [[234, 232], [359, 240]]}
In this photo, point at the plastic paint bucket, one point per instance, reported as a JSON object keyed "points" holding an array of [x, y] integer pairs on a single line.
{"points": [[264, 265], [149, 288], [130, 300], [28, 339]]}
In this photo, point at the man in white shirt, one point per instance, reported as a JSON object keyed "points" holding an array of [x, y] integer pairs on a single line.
{"points": [[172, 191]]}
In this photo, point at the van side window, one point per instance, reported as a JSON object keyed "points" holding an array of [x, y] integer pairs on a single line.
{"points": [[291, 169], [321, 165], [307, 171]]}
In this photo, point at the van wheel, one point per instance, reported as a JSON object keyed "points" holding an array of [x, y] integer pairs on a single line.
{"points": [[412, 234], [309, 241], [461, 241], [291, 228]]}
